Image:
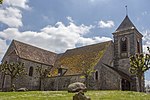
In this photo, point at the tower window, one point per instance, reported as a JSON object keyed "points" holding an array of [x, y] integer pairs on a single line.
{"points": [[124, 44], [96, 75], [31, 71], [138, 46]]}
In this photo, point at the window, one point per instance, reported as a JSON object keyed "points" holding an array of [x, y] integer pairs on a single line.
{"points": [[138, 46], [31, 71], [124, 44], [96, 75], [61, 71]]}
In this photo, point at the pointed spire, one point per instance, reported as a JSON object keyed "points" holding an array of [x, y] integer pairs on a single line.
{"points": [[126, 24]]}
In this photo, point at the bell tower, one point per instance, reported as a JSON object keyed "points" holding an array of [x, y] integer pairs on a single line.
{"points": [[127, 41]]}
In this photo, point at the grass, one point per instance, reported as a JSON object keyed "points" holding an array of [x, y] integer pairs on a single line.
{"points": [[64, 95]]}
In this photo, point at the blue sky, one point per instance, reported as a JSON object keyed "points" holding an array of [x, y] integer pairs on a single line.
{"points": [[57, 25]]}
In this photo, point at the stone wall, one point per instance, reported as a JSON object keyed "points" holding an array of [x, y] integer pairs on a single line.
{"points": [[107, 78], [110, 80], [124, 63], [122, 58], [30, 82], [60, 82], [26, 81]]}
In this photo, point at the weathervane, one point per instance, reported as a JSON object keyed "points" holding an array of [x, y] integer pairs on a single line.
{"points": [[126, 10]]}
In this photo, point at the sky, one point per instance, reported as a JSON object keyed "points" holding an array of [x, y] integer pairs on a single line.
{"points": [[58, 25]]}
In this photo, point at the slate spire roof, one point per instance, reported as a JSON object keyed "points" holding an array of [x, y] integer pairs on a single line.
{"points": [[126, 24]]}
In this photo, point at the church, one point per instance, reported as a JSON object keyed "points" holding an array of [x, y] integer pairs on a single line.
{"points": [[108, 62]]}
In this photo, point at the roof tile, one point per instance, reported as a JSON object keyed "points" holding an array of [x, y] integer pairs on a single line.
{"points": [[73, 59], [33, 53]]}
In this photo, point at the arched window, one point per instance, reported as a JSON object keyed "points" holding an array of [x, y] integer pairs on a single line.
{"points": [[31, 71], [96, 75], [123, 44]]}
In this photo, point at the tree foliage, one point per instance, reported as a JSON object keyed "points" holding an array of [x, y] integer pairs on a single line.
{"points": [[139, 64], [148, 56], [13, 70], [1, 1], [43, 73], [148, 49]]}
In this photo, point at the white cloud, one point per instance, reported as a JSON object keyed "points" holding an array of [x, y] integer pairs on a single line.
{"points": [[146, 40], [107, 24], [11, 16], [3, 47], [146, 43], [11, 12], [56, 38], [147, 82], [70, 19], [87, 41], [17, 3], [145, 50]]}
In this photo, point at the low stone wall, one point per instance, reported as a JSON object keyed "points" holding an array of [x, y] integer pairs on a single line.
{"points": [[60, 82]]}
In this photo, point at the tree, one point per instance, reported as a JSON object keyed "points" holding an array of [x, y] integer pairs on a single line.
{"points": [[3, 71], [148, 86], [87, 70], [1, 1], [148, 48], [43, 73], [13, 70], [148, 57], [139, 64]]}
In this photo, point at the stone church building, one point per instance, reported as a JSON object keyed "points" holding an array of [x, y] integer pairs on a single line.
{"points": [[108, 60]]}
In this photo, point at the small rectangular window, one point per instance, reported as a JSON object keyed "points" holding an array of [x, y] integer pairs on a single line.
{"points": [[96, 75], [31, 71], [123, 44]]}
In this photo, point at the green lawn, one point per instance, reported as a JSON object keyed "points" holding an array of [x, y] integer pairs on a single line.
{"points": [[64, 95]]}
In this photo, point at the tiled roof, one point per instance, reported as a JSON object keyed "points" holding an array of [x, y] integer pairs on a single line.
{"points": [[33, 53], [121, 73], [73, 59]]}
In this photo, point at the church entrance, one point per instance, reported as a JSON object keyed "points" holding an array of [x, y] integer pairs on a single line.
{"points": [[125, 85]]}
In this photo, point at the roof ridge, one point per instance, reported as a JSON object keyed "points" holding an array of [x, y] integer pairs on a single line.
{"points": [[33, 53], [16, 41], [13, 42], [89, 45]]}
